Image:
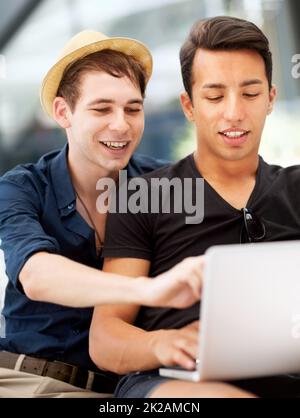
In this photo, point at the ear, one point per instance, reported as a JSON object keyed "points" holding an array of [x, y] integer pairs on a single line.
{"points": [[272, 97], [187, 106], [61, 112]]}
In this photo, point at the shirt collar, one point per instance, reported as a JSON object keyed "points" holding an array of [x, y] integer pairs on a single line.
{"points": [[62, 184]]}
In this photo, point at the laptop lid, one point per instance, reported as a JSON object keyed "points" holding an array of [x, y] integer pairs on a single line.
{"points": [[250, 311]]}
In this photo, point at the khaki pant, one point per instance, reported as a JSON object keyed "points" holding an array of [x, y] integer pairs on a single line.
{"points": [[16, 384]]}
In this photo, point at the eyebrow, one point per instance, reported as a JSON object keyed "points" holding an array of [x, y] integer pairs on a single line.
{"points": [[109, 101], [222, 86]]}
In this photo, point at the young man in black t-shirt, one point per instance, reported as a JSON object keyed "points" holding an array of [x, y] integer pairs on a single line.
{"points": [[227, 72]]}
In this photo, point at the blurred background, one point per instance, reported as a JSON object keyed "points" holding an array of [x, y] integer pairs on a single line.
{"points": [[32, 32]]}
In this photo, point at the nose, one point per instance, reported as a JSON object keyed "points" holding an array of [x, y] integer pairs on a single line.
{"points": [[234, 111], [119, 122]]}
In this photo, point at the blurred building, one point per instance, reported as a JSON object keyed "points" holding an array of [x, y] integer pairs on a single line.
{"points": [[33, 32]]}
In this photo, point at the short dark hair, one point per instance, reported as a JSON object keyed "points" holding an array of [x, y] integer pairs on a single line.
{"points": [[223, 33], [112, 62]]}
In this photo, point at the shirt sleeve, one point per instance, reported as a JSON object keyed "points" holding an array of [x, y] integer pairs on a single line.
{"points": [[128, 235], [21, 231], [131, 234]]}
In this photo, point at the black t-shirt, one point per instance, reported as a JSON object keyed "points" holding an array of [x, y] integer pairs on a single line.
{"points": [[165, 239]]}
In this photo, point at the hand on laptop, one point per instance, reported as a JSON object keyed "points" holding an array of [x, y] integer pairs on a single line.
{"points": [[178, 347], [180, 286]]}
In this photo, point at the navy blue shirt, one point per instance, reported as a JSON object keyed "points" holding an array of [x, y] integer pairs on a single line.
{"points": [[38, 213]]}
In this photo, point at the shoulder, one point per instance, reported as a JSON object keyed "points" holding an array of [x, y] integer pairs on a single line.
{"points": [[280, 181], [278, 172], [182, 168], [140, 164], [30, 176]]}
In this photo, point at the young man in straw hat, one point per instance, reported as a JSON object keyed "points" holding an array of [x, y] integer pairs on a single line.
{"points": [[52, 234], [226, 67]]}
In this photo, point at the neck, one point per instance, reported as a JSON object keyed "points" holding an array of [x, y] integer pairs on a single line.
{"points": [[85, 175], [224, 171]]}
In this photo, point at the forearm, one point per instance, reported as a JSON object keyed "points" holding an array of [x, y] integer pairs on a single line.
{"points": [[123, 348], [56, 279], [119, 346]]}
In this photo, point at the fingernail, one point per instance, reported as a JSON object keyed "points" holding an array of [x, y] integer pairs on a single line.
{"points": [[190, 365]]}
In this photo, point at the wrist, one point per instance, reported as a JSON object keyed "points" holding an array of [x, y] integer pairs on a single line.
{"points": [[142, 291], [154, 340]]}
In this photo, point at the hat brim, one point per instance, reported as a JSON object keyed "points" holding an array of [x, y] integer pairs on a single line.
{"points": [[126, 45]]}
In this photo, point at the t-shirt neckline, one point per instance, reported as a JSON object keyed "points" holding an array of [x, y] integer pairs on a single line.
{"points": [[252, 196]]}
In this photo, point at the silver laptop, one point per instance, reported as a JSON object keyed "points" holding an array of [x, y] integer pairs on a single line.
{"points": [[250, 313]]}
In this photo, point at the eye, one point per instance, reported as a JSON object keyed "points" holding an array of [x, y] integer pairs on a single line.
{"points": [[215, 98], [102, 110], [133, 110], [251, 95]]}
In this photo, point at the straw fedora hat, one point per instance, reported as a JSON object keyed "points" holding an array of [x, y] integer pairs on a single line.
{"points": [[85, 43]]}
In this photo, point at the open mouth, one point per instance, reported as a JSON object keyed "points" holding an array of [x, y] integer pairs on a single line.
{"points": [[234, 134], [115, 145], [234, 137]]}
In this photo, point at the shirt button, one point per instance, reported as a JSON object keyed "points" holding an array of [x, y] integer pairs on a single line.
{"points": [[71, 206]]}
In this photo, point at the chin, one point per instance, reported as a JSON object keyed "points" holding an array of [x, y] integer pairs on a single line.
{"points": [[235, 155], [117, 165]]}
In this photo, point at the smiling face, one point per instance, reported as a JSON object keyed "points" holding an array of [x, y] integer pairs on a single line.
{"points": [[107, 123], [231, 99]]}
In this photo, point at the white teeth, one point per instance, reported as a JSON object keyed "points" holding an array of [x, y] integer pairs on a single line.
{"points": [[115, 144], [234, 134]]}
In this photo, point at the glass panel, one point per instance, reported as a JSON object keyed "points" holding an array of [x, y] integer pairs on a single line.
{"points": [[26, 133]]}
